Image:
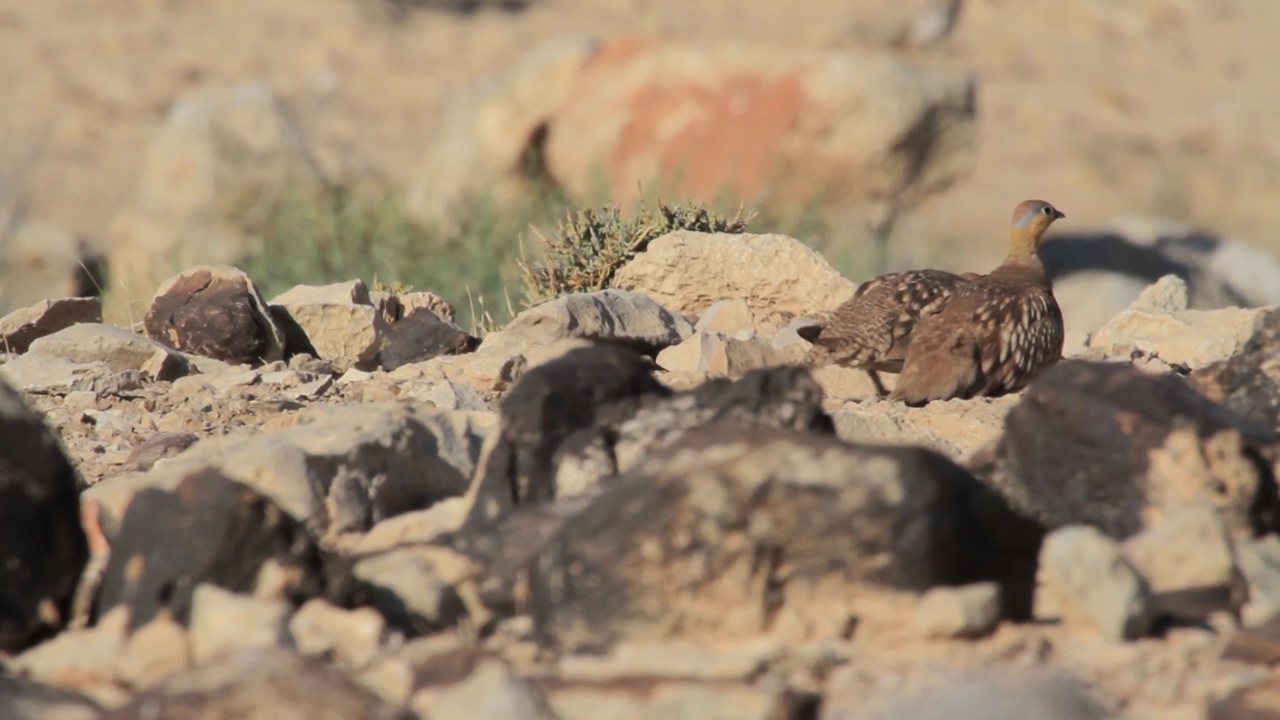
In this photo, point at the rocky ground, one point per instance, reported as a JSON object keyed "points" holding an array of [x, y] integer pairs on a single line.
{"points": [[627, 503]]}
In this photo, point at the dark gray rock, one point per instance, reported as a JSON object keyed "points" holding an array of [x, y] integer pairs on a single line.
{"points": [[422, 335], [672, 543], [598, 386], [208, 530], [216, 312], [1101, 443]]}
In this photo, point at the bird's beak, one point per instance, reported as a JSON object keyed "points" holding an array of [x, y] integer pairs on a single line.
{"points": [[1058, 214]]}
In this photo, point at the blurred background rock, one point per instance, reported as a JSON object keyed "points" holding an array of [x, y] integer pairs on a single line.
{"points": [[424, 141]]}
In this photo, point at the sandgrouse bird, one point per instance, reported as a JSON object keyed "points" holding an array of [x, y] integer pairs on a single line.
{"points": [[872, 329], [995, 333]]}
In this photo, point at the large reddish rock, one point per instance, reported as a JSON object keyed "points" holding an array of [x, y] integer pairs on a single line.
{"points": [[699, 121], [749, 120]]}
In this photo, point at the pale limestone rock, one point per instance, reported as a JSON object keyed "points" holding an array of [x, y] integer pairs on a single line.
{"points": [[779, 277], [21, 327], [716, 355], [1085, 581], [1190, 552], [222, 621], [119, 348], [338, 320], [154, 652], [353, 637], [959, 612]]}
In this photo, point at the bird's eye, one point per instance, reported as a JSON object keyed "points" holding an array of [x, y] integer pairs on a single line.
{"points": [[1046, 210]]}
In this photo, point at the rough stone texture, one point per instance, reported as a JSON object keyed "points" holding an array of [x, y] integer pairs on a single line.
{"points": [[119, 348], [490, 692], [700, 119], [1189, 564], [588, 387], [970, 611], [222, 622], [778, 276], [955, 428], [419, 588], [422, 335], [19, 328], [351, 636], [1249, 382], [335, 322], [641, 698], [1022, 696], [618, 316], [207, 530], [81, 660], [41, 541], [222, 153], [22, 699], [753, 118], [727, 317], [259, 685], [716, 355], [154, 652], [731, 531], [420, 299], [1259, 562], [215, 311], [1107, 445], [1255, 702], [1190, 338], [623, 435], [335, 469], [1085, 581], [40, 374]]}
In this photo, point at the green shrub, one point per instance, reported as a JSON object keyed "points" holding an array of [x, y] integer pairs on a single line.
{"points": [[338, 234]]}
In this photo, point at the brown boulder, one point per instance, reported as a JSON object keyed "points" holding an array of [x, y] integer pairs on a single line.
{"points": [[217, 312]]}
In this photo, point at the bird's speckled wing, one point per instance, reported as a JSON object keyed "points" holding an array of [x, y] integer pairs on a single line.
{"points": [[991, 337], [876, 324]]}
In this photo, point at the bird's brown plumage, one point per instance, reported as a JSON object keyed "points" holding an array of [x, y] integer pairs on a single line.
{"points": [[873, 329], [994, 334]]}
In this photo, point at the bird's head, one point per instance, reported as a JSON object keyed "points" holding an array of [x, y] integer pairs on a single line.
{"points": [[1030, 219]]}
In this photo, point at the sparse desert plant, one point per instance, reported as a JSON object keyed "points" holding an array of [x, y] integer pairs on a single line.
{"points": [[589, 246], [338, 233]]}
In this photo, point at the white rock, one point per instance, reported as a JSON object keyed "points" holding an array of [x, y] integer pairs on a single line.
{"points": [[1085, 581], [350, 636], [223, 621], [779, 277], [969, 611], [119, 348], [339, 321]]}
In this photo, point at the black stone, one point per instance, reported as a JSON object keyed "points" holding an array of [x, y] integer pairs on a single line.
{"points": [[422, 335], [43, 549]]}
